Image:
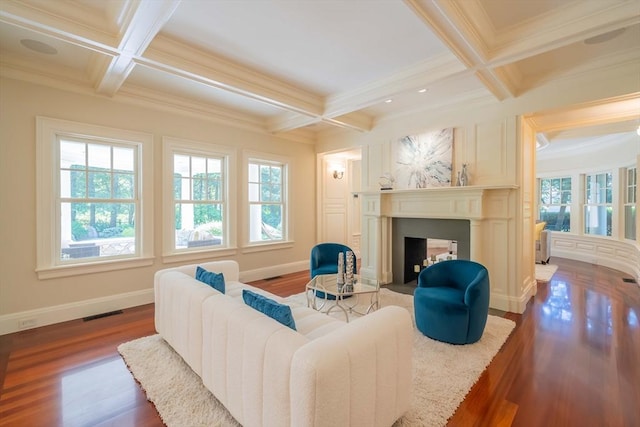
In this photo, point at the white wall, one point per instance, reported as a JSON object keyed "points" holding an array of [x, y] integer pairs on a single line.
{"points": [[489, 136], [23, 296]]}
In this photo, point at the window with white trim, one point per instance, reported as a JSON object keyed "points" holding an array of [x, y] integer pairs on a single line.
{"points": [[631, 190], [598, 208], [197, 214], [91, 183], [267, 198], [555, 203]]}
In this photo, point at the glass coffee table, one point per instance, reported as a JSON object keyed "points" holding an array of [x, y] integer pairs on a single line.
{"points": [[327, 284]]}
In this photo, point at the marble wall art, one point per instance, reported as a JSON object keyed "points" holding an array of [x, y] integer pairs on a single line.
{"points": [[424, 160]]}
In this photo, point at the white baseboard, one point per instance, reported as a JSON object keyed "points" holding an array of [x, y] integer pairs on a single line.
{"points": [[514, 305], [273, 271], [30, 319]]}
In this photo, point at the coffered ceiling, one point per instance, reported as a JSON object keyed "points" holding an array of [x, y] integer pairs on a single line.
{"points": [[296, 68]]}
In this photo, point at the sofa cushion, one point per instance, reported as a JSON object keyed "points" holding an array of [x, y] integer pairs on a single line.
{"points": [[215, 280], [279, 312]]}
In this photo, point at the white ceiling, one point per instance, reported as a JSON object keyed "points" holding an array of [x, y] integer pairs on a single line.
{"points": [[300, 67]]}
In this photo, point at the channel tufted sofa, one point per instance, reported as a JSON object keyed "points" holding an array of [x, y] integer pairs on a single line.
{"points": [[324, 373]]}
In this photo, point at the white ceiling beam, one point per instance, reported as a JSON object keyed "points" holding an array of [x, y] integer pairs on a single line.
{"points": [[173, 57], [289, 120], [448, 22], [417, 77], [142, 22], [357, 121]]}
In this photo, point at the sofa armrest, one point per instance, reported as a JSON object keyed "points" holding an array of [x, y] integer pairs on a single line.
{"points": [[178, 314], [360, 374]]}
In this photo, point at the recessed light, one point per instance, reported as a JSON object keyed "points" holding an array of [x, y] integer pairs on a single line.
{"points": [[422, 90], [388, 101], [38, 46]]}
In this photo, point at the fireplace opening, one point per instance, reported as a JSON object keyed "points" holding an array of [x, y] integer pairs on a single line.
{"points": [[415, 240], [415, 252], [420, 253]]}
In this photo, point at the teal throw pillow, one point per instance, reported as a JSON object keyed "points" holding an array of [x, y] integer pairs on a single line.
{"points": [[215, 280], [277, 311]]}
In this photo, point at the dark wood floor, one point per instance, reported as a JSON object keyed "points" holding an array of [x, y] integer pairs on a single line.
{"points": [[573, 360]]}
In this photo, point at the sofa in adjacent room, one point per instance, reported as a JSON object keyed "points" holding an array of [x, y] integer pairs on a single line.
{"points": [[324, 373], [543, 243]]}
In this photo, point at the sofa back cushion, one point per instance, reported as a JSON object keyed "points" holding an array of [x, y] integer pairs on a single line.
{"points": [[538, 230]]}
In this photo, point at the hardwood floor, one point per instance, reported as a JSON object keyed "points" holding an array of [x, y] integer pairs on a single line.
{"points": [[573, 360]]}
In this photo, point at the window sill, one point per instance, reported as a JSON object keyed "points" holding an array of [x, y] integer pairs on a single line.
{"points": [[186, 256], [268, 246], [94, 267]]}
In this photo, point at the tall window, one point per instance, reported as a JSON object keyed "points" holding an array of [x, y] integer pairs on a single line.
{"points": [[555, 203], [99, 201], [199, 200], [598, 209], [631, 187], [196, 188], [267, 201], [90, 204]]}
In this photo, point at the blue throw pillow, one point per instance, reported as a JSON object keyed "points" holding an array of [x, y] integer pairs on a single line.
{"points": [[215, 280], [277, 311]]}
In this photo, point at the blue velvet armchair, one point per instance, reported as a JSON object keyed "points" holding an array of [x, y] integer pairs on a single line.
{"points": [[451, 302], [324, 260]]}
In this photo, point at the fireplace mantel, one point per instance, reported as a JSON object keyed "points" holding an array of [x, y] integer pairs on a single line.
{"points": [[468, 202], [489, 210]]}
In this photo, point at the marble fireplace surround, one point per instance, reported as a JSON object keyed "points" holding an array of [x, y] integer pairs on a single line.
{"points": [[492, 231]]}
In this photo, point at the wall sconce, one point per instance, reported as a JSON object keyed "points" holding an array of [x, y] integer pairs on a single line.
{"points": [[338, 174]]}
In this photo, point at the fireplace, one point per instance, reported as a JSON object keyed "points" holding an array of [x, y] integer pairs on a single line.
{"points": [[491, 234], [409, 243]]}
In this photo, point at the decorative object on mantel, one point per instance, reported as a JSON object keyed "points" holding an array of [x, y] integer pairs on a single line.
{"points": [[424, 160], [463, 177], [386, 181]]}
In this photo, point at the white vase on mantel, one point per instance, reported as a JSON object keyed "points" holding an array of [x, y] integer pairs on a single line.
{"points": [[463, 177]]}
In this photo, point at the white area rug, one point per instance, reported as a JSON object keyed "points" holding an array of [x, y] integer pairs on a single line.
{"points": [[544, 273], [443, 374]]}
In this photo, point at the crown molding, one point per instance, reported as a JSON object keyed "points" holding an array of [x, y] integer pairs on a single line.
{"points": [[617, 109], [303, 136], [491, 80], [146, 97], [511, 77], [58, 77], [554, 30], [87, 31], [74, 81], [619, 62]]}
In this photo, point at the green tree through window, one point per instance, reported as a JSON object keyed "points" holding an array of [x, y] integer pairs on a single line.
{"points": [[555, 203]]}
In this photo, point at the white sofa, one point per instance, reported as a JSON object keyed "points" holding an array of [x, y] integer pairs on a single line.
{"points": [[327, 373]]}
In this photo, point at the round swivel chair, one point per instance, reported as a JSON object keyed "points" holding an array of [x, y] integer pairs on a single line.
{"points": [[451, 302]]}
